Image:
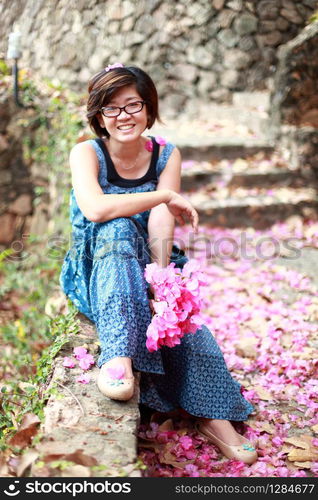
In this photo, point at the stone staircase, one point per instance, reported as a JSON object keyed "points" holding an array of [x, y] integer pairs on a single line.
{"points": [[233, 173], [255, 191]]}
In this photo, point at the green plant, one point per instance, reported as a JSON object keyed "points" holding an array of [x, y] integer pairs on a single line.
{"points": [[4, 69], [314, 17], [30, 394], [31, 340]]}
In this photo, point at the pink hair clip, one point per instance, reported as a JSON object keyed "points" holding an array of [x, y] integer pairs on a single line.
{"points": [[112, 66]]}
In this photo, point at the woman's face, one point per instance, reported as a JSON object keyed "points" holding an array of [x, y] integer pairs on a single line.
{"points": [[125, 127]]}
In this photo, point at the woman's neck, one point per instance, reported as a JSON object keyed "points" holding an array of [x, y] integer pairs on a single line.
{"points": [[126, 151]]}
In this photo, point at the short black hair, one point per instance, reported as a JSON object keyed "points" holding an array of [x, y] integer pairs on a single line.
{"points": [[104, 85]]}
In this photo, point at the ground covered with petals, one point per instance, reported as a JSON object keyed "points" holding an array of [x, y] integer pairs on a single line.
{"points": [[262, 306]]}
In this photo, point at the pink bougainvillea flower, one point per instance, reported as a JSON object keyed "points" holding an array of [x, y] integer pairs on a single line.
{"points": [[192, 470], [277, 441], [84, 378], [160, 140], [149, 146], [86, 362], [116, 371], [186, 442], [79, 352], [69, 362], [177, 304]]}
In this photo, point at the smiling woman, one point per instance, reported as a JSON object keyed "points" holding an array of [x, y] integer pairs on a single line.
{"points": [[124, 203]]}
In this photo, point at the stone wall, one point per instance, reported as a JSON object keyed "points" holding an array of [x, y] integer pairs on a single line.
{"points": [[24, 182], [205, 49], [294, 100], [15, 179]]}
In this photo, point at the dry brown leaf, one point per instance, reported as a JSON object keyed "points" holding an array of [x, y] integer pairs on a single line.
{"points": [[247, 347], [263, 393], [299, 455], [307, 353], [26, 460], [76, 471], [267, 427], [167, 425], [312, 311], [4, 470], [303, 465], [304, 441], [168, 458], [26, 432], [286, 448], [77, 457], [315, 428], [262, 426]]}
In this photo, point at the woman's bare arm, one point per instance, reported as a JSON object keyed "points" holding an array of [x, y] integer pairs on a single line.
{"points": [[100, 207], [161, 222]]}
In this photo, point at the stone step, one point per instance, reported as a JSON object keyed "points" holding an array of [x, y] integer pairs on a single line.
{"points": [[196, 178], [258, 170], [219, 148], [79, 417], [241, 209], [210, 131]]}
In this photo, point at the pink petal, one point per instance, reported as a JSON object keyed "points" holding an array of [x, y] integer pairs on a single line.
{"points": [[83, 379], [149, 146], [79, 352], [86, 362], [116, 371], [160, 140], [69, 362]]}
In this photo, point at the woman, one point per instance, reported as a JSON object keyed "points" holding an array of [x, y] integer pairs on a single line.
{"points": [[124, 203]]}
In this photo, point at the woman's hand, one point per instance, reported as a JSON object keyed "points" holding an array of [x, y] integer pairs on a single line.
{"points": [[181, 209]]}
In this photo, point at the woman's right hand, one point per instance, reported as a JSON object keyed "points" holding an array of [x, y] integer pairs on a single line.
{"points": [[182, 209]]}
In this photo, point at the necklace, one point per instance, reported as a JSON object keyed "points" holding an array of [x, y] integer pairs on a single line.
{"points": [[133, 165]]}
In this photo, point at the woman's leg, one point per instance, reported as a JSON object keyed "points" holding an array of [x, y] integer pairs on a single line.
{"points": [[118, 297]]}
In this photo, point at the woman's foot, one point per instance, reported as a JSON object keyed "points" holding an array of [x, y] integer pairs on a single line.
{"points": [[120, 362], [116, 380], [232, 444]]}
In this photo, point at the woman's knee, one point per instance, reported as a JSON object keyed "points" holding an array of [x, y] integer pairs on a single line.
{"points": [[116, 227], [118, 236]]}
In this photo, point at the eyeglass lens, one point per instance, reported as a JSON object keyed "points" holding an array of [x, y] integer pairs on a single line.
{"points": [[131, 108]]}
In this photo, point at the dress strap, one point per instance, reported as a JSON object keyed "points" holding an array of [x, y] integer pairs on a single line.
{"points": [[102, 174], [164, 157]]}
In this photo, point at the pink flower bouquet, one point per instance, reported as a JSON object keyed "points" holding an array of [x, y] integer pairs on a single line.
{"points": [[177, 303]]}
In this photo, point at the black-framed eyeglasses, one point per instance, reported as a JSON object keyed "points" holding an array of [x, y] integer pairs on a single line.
{"points": [[130, 109]]}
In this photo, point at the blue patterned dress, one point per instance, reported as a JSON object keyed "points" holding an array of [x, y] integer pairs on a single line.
{"points": [[102, 274]]}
